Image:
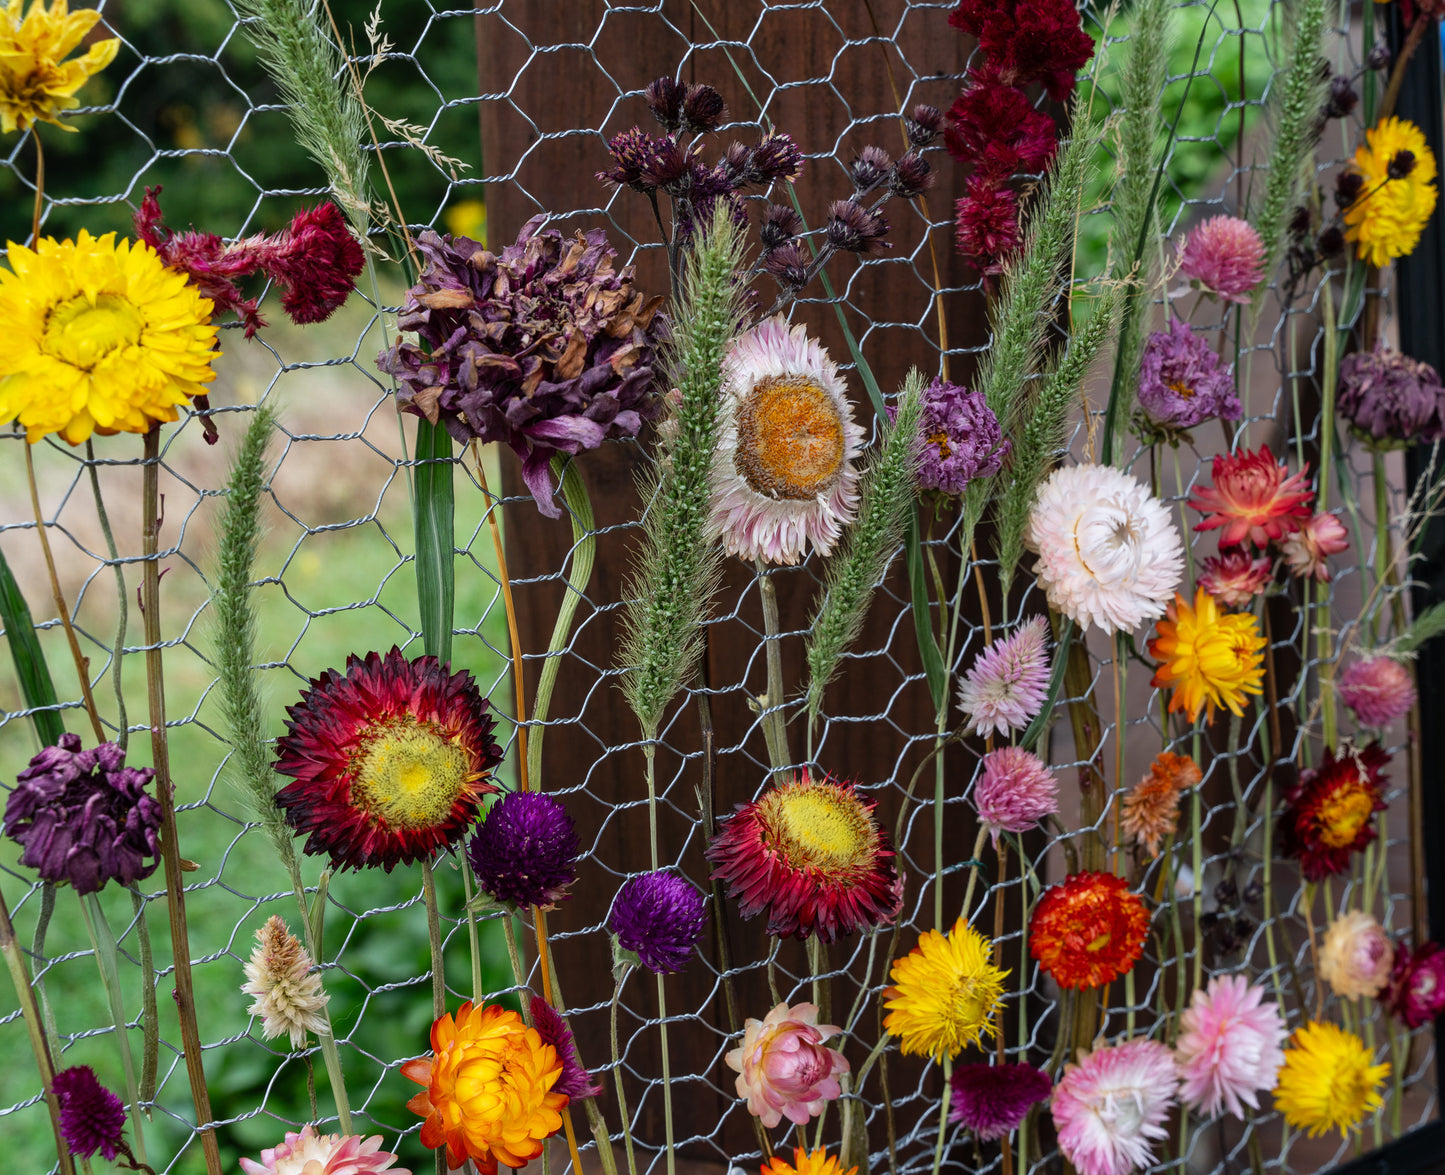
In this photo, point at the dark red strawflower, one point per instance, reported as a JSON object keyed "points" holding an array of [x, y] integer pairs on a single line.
{"points": [[316, 259], [660, 917], [84, 817], [525, 850], [992, 1100], [1029, 41], [1330, 812], [91, 1117], [1416, 988], [390, 760], [575, 1081], [987, 225]]}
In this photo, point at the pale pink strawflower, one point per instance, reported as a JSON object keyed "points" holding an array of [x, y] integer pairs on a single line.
{"points": [[1356, 956], [289, 997], [1014, 791], [1006, 687], [1111, 1107], [1109, 556], [1234, 577], [784, 1069], [1378, 689], [1308, 547], [1230, 1046], [309, 1153], [1225, 256]]}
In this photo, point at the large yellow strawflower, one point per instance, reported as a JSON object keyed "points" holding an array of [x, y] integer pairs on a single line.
{"points": [[1388, 216], [944, 992], [35, 79], [1208, 656], [1327, 1080], [100, 337]]}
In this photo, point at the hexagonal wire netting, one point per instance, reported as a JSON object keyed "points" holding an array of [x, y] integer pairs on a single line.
{"points": [[188, 105]]}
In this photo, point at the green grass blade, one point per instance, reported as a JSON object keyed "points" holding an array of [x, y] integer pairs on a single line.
{"points": [[933, 667], [435, 521], [30, 667]]}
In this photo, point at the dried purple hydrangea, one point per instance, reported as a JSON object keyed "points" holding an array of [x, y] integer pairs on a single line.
{"points": [[1389, 397], [962, 439], [547, 347], [1182, 383], [660, 917], [84, 816]]}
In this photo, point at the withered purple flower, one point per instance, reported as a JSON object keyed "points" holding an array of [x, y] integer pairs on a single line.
{"points": [[780, 225], [702, 109], [869, 169], [910, 176], [853, 228], [664, 98], [1391, 399], [962, 439], [547, 347], [91, 1117], [788, 264], [1181, 381], [776, 157], [923, 125]]}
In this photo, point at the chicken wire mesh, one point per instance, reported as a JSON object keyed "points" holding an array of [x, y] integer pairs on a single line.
{"points": [[337, 578]]}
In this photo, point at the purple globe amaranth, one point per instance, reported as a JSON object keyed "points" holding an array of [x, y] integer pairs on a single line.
{"points": [[660, 917], [91, 1117], [1181, 381], [962, 439], [84, 816], [1390, 399], [526, 850], [547, 347]]}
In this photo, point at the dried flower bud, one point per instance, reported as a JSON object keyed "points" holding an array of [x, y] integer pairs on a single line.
{"points": [[1348, 188], [776, 157], [664, 98], [869, 169], [780, 225], [910, 175], [703, 109], [789, 266], [1299, 223], [853, 228], [1253, 892], [923, 125], [1331, 242], [1226, 893], [1401, 164], [735, 160], [1379, 56], [632, 151], [1343, 99]]}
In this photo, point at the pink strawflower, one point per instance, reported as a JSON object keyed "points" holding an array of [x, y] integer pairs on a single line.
{"points": [[784, 1069], [1015, 790], [309, 1153], [1253, 497], [992, 1100], [1378, 689], [1225, 256], [1111, 1107], [1230, 1046], [1416, 990], [1308, 547], [1009, 680], [1356, 956], [1235, 577]]}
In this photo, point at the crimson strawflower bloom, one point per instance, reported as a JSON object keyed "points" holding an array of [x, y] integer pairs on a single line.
{"points": [[1416, 988], [1253, 497], [1330, 811], [1234, 578], [1088, 930]]}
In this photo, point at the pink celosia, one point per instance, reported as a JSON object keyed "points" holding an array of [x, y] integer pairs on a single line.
{"points": [[1230, 1046], [1356, 956], [1007, 685], [784, 1069], [1111, 1107], [309, 1153], [1416, 990], [1225, 256], [992, 1100], [1378, 689], [1308, 547], [1253, 497], [1235, 577], [1015, 790]]}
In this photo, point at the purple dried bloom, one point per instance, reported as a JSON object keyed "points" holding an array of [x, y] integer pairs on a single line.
{"points": [[526, 850], [547, 347], [1387, 396], [780, 225], [869, 168], [910, 176], [1181, 383], [855, 229], [1378, 689], [702, 109], [776, 157], [84, 816], [665, 97], [1015, 790], [923, 125], [788, 264], [660, 917], [575, 1081], [1006, 687], [992, 1100], [961, 438], [91, 1117]]}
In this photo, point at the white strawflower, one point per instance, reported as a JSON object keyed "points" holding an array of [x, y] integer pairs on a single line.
{"points": [[1108, 553], [289, 996]]}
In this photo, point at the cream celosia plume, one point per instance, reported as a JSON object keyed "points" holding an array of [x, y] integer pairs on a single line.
{"points": [[289, 995]]}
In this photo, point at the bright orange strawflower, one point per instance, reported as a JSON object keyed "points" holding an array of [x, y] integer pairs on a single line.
{"points": [[806, 1163], [1210, 658], [488, 1092], [1088, 930]]}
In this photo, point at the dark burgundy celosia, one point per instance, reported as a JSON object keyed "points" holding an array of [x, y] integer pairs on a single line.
{"points": [[91, 1117], [547, 347], [992, 1100], [1391, 398], [986, 225], [316, 260], [1416, 988], [1028, 41], [84, 817], [575, 1081], [526, 850], [660, 917], [998, 130]]}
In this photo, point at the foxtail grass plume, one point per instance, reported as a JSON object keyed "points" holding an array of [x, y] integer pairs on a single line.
{"points": [[289, 997]]}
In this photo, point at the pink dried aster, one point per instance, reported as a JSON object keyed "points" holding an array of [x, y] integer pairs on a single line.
{"points": [[309, 1153], [992, 1100], [1235, 577], [784, 1069], [1225, 256], [1356, 956], [1015, 790], [1378, 689], [1230, 1046], [1009, 680], [1308, 547], [1111, 1107], [1416, 991], [1253, 497], [289, 996]]}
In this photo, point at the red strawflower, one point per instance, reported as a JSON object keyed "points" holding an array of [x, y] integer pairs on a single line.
{"points": [[811, 855], [1253, 496], [1029, 41], [987, 225], [1416, 990], [1330, 812], [1088, 930], [997, 129], [390, 760]]}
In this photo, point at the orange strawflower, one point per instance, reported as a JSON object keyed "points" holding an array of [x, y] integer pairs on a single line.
{"points": [[488, 1092], [1088, 930], [806, 1163], [1151, 808]]}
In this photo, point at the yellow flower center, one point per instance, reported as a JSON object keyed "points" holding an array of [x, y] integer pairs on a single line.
{"points": [[818, 830], [973, 1001], [1343, 814], [790, 439], [1181, 388], [82, 333], [409, 774], [940, 439]]}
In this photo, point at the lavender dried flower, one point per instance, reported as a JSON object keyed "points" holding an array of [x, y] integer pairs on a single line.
{"points": [[962, 439], [1389, 398], [1181, 382]]}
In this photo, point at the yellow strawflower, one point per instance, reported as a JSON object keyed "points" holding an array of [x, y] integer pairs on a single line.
{"points": [[1389, 214], [817, 1162], [944, 992], [99, 337], [35, 79], [1207, 656], [1327, 1080]]}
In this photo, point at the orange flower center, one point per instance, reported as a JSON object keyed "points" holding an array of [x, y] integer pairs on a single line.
{"points": [[408, 773], [941, 440], [1180, 387], [819, 827], [1343, 814], [790, 439]]}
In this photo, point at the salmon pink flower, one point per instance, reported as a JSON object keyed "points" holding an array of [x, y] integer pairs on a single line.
{"points": [[1235, 577], [784, 1069], [1356, 956], [1307, 548], [1253, 497]]}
